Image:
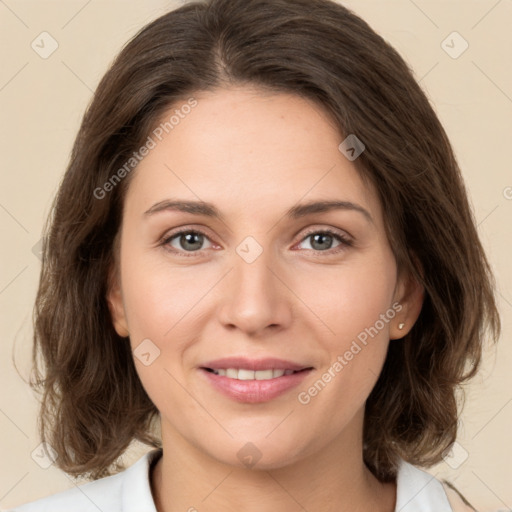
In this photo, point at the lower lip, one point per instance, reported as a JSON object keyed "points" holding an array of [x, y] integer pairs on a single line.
{"points": [[254, 391]]}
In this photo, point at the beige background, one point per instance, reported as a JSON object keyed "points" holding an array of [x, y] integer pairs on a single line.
{"points": [[42, 101]]}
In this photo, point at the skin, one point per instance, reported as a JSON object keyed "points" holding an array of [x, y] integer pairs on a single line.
{"points": [[254, 155]]}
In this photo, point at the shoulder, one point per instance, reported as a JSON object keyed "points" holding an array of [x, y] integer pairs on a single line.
{"points": [[420, 491], [126, 491], [103, 494]]}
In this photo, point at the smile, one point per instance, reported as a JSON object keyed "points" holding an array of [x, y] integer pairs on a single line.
{"points": [[244, 374], [253, 386]]}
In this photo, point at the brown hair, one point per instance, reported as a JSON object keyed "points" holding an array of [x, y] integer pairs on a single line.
{"points": [[93, 403]]}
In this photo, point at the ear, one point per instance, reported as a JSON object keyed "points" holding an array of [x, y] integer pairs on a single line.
{"points": [[116, 305], [409, 293]]}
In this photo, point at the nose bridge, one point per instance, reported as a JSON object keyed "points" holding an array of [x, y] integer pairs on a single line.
{"points": [[255, 297], [253, 268]]}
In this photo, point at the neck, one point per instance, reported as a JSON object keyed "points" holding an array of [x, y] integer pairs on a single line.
{"points": [[332, 479]]}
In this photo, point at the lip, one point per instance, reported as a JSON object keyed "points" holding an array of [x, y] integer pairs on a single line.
{"points": [[254, 391], [266, 363]]}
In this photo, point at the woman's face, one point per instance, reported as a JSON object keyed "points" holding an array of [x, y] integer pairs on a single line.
{"points": [[262, 282]]}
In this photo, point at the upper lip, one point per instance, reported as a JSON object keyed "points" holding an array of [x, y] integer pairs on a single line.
{"points": [[267, 363]]}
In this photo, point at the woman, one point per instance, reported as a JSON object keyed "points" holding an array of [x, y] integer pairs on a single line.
{"points": [[185, 280]]}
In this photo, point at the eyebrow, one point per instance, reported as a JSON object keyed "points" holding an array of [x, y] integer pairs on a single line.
{"points": [[295, 212]]}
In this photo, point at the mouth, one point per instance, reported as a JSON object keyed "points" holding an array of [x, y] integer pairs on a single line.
{"points": [[253, 381], [245, 374]]}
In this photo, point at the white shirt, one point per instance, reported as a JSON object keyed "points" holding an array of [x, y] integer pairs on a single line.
{"points": [[130, 491]]}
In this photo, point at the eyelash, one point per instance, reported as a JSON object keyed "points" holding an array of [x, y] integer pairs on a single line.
{"points": [[345, 242]]}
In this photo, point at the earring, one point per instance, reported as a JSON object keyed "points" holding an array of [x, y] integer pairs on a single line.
{"points": [[401, 325]]}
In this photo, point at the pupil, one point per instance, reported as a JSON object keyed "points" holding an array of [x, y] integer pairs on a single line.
{"points": [[189, 243], [320, 237]]}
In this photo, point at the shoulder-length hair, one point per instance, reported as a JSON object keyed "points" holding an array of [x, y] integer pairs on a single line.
{"points": [[93, 403]]}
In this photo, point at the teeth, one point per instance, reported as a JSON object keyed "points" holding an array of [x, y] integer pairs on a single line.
{"points": [[246, 374], [262, 374], [243, 374]]}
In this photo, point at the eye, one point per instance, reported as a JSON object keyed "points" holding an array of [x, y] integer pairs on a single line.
{"points": [[191, 241], [186, 240], [321, 241]]}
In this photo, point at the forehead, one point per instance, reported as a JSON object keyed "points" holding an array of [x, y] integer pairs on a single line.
{"points": [[240, 147]]}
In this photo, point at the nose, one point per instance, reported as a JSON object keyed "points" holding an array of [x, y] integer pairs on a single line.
{"points": [[256, 297]]}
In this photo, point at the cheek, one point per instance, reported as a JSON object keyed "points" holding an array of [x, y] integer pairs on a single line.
{"points": [[355, 304], [160, 298], [161, 307], [350, 299], [165, 309]]}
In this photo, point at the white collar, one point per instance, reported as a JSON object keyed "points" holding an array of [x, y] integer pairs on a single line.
{"points": [[417, 490]]}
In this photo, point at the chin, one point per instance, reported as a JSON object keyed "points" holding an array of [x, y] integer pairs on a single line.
{"points": [[258, 455]]}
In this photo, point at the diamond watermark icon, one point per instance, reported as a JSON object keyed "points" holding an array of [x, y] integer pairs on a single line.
{"points": [[249, 249], [44, 455], [249, 455], [454, 45], [44, 45], [351, 147], [37, 249], [146, 352], [455, 456]]}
